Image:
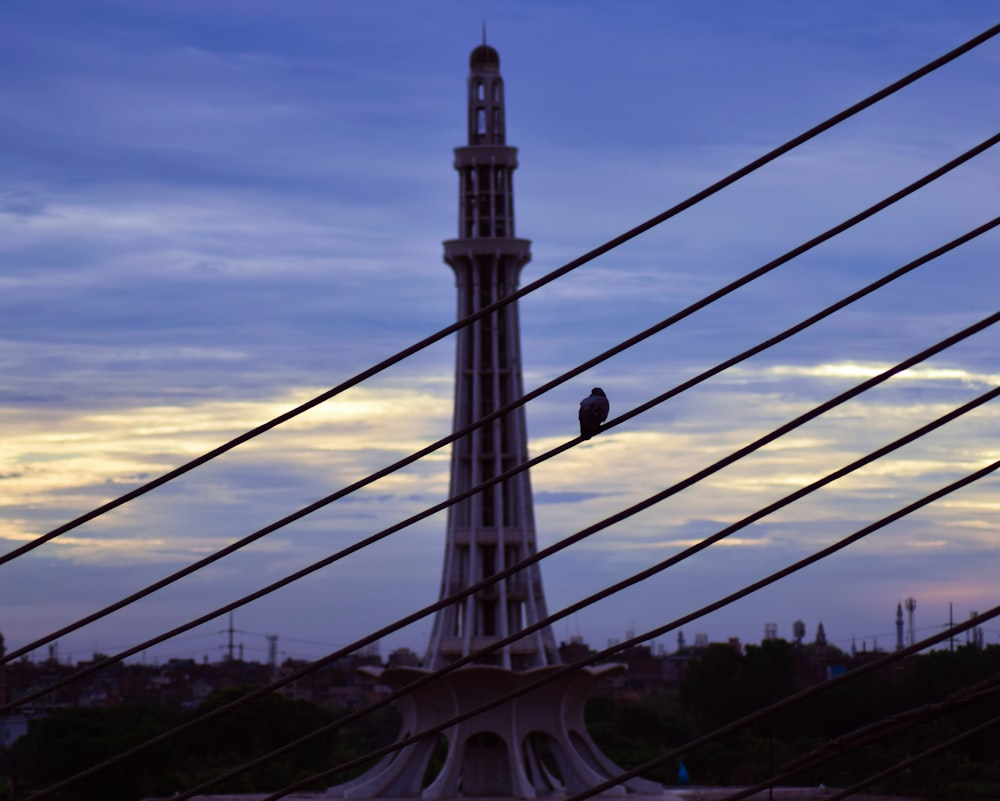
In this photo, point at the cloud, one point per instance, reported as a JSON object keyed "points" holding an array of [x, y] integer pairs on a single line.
{"points": [[210, 218], [853, 371], [564, 497], [86, 458]]}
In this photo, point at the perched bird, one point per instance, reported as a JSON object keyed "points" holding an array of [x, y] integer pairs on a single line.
{"points": [[593, 411]]}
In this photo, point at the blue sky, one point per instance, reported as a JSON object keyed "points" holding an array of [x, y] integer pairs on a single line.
{"points": [[211, 211]]}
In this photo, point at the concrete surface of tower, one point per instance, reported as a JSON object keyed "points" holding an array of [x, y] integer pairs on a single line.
{"points": [[494, 528]]}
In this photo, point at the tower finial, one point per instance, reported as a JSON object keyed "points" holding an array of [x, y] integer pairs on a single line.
{"points": [[484, 31]]}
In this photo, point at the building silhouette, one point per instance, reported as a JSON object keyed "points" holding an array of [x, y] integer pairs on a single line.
{"points": [[536, 744]]}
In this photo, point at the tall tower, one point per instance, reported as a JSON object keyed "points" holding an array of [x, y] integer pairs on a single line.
{"points": [[536, 744], [911, 607], [495, 528]]}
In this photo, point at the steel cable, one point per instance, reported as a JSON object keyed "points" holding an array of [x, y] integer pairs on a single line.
{"points": [[608, 591], [871, 733], [795, 698], [694, 199], [309, 509], [657, 632], [906, 764], [302, 408], [501, 574], [592, 659]]}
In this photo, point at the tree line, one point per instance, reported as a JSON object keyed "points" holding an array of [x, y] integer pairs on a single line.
{"points": [[721, 684]]}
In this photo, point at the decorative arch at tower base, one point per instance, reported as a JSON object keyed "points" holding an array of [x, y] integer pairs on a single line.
{"points": [[534, 746]]}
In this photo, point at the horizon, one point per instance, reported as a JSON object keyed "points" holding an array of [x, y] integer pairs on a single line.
{"points": [[313, 649]]}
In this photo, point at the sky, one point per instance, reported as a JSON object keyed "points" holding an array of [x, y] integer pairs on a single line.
{"points": [[212, 211]]}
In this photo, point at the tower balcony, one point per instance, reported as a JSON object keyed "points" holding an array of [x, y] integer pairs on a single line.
{"points": [[468, 251], [518, 588], [485, 155]]}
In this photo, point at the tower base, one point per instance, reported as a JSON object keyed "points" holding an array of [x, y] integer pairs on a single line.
{"points": [[534, 746]]}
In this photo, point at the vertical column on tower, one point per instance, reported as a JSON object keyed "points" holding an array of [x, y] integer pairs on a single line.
{"points": [[494, 528]]}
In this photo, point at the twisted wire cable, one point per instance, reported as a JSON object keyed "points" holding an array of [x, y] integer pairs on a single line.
{"points": [[916, 759], [309, 509], [555, 617], [673, 211], [784, 703], [558, 546], [605, 593], [656, 498], [657, 632], [872, 733], [592, 599], [726, 364], [599, 656], [900, 721]]}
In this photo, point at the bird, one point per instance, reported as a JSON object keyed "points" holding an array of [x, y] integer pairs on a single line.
{"points": [[593, 411]]}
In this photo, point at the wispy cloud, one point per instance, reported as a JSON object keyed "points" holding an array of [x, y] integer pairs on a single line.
{"points": [[208, 219]]}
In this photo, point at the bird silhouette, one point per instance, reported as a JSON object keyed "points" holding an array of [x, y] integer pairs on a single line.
{"points": [[593, 411]]}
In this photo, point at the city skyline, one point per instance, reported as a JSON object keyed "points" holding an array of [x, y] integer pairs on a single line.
{"points": [[212, 217], [219, 644]]}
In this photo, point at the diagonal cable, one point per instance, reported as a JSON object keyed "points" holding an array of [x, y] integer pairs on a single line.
{"points": [[735, 725], [564, 670], [607, 592], [304, 511], [872, 733], [787, 333], [900, 721], [649, 635], [673, 211], [572, 609], [527, 631], [906, 764], [413, 617]]}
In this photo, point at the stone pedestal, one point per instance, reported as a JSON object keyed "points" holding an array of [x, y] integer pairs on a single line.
{"points": [[534, 746]]}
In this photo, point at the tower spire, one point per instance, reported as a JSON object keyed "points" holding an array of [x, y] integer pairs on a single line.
{"points": [[501, 752], [496, 528]]}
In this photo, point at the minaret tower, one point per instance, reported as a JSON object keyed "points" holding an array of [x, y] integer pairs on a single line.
{"points": [[537, 743], [495, 528]]}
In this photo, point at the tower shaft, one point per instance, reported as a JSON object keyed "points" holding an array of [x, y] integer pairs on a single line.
{"points": [[495, 528], [506, 751]]}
